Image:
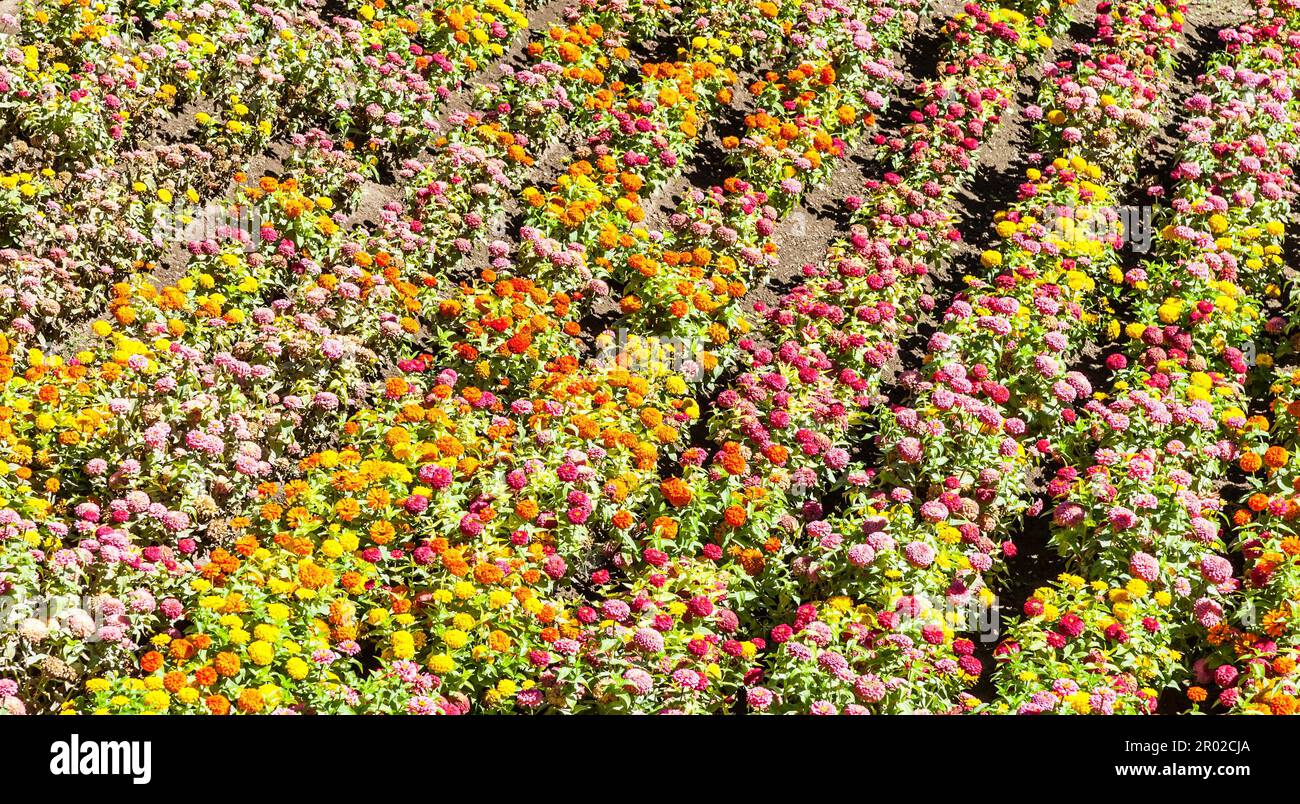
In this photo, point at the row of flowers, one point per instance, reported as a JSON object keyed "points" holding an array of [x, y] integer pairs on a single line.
{"points": [[1139, 500], [803, 124], [959, 453], [924, 534], [1247, 663]]}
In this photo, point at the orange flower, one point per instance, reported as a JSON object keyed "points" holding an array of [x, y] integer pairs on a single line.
{"points": [[487, 574], [499, 641], [526, 510], [151, 661], [314, 576], [1283, 704], [250, 701], [173, 681], [732, 460], [217, 704], [180, 649], [1196, 694], [347, 509], [676, 492], [226, 663], [382, 532], [395, 387], [1275, 457], [666, 527], [777, 454], [1250, 462], [735, 516]]}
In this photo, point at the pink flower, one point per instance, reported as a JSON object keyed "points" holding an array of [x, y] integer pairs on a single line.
{"points": [[758, 698], [934, 511], [436, 476], [639, 682], [1144, 566], [1209, 613], [1225, 675], [919, 554], [1121, 518], [1216, 569], [860, 555], [555, 567], [909, 449], [648, 640]]}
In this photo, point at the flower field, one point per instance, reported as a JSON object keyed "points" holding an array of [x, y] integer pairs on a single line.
{"points": [[634, 356]]}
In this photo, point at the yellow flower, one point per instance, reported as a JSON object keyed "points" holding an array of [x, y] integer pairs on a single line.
{"points": [[267, 633], [1072, 581], [261, 653], [1170, 311], [441, 663], [1079, 702], [403, 645], [157, 700], [297, 668]]}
